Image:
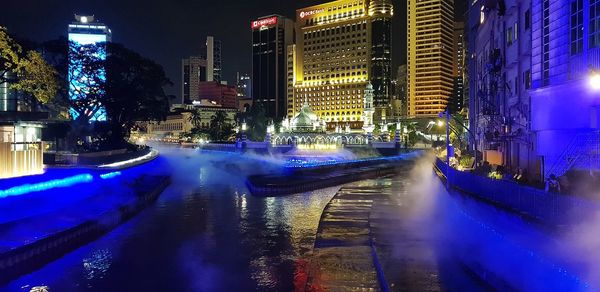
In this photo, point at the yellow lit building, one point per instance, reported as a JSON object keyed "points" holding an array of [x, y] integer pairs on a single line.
{"points": [[429, 56], [334, 56]]}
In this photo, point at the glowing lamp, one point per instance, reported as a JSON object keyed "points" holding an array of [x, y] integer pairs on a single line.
{"points": [[594, 80], [440, 123], [244, 126]]}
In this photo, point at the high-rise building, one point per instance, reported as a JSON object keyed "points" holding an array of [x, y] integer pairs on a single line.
{"points": [[204, 67], [381, 13], [244, 85], [211, 52], [271, 36], [338, 54], [399, 106], [86, 31], [193, 71], [291, 79], [457, 100], [430, 25]]}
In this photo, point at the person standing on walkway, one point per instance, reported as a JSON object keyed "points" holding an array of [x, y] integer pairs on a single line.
{"points": [[552, 184]]}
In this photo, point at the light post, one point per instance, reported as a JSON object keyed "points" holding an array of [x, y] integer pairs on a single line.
{"points": [[594, 79]]}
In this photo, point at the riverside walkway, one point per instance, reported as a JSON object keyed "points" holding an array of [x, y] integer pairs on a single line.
{"points": [[357, 247]]}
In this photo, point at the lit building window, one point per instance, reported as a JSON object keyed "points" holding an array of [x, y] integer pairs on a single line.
{"points": [[594, 23], [576, 26]]}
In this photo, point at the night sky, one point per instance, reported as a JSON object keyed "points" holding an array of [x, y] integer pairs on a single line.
{"points": [[169, 30]]}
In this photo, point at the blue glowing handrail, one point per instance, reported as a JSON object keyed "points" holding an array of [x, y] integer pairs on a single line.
{"points": [[43, 186]]}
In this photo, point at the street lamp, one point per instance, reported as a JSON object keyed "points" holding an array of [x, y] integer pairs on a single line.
{"points": [[594, 80]]}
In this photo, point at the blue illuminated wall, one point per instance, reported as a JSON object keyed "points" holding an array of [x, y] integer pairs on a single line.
{"points": [[86, 34], [564, 107]]}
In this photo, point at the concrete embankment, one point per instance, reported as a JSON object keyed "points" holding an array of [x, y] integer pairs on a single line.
{"points": [[32, 242], [303, 178], [352, 246]]}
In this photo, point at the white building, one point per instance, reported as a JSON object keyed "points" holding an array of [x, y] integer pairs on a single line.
{"points": [[499, 68]]}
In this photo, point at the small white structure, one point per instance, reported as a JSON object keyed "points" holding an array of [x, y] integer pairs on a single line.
{"points": [[368, 111]]}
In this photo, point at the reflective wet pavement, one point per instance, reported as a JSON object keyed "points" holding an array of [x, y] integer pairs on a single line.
{"points": [[206, 233]]}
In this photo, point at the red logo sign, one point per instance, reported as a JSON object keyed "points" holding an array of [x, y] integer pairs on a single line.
{"points": [[264, 22]]}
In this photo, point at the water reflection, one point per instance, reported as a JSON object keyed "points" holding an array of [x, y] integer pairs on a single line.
{"points": [[205, 233]]}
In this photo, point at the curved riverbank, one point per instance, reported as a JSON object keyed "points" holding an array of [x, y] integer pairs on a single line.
{"points": [[65, 216]]}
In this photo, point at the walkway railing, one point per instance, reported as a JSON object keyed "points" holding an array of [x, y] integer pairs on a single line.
{"points": [[550, 208]]}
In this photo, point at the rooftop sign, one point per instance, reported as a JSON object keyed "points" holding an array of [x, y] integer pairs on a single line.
{"points": [[311, 12], [264, 22]]}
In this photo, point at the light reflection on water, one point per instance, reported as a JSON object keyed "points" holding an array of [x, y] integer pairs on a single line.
{"points": [[205, 232]]}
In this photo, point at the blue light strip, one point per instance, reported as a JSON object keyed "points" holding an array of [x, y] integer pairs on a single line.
{"points": [[43, 186], [297, 164], [110, 175]]}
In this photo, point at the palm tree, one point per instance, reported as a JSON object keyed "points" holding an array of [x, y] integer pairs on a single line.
{"points": [[195, 118], [219, 128]]}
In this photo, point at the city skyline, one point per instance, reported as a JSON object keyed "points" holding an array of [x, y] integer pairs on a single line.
{"points": [[154, 31]]}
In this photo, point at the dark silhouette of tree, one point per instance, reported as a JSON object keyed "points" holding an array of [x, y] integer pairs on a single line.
{"points": [[133, 90], [220, 129], [256, 121], [195, 118]]}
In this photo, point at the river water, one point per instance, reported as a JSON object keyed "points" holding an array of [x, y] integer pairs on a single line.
{"points": [[207, 233]]}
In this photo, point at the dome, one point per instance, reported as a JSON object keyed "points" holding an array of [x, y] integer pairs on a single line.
{"points": [[305, 120]]}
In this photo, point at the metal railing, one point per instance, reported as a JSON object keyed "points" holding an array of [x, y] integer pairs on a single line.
{"points": [[582, 152], [549, 208]]}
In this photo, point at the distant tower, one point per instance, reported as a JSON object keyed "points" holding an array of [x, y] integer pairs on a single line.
{"points": [[368, 111], [381, 13], [85, 30]]}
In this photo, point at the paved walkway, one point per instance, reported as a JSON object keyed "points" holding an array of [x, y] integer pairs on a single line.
{"points": [[365, 219]]}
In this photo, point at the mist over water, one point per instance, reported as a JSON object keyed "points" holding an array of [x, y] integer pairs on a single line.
{"points": [[207, 233]]}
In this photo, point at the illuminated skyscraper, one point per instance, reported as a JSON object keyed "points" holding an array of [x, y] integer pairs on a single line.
{"points": [[381, 13], [430, 45], [271, 36], [340, 47], [85, 31]]}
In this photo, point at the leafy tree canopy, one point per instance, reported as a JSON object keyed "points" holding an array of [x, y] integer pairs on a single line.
{"points": [[26, 71]]}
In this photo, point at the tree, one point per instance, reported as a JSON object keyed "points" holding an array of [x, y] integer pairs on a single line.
{"points": [[256, 121], [195, 118], [134, 90], [220, 129], [26, 71]]}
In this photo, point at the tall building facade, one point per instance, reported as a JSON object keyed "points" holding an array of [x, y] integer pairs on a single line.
{"points": [[430, 25], [211, 52], [244, 85], [565, 80], [337, 55], [499, 67], [193, 71], [271, 36], [457, 100], [86, 31], [380, 13], [207, 66], [291, 80]]}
